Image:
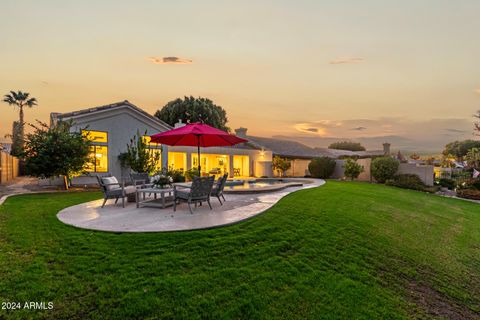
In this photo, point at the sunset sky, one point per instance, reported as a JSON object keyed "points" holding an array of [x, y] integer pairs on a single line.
{"points": [[293, 68]]}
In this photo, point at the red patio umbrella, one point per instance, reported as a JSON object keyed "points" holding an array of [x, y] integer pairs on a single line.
{"points": [[196, 134]]}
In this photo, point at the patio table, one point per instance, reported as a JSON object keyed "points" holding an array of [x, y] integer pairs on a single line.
{"points": [[165, 199]]}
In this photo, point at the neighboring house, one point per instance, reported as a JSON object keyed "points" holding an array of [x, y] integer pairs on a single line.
{"points": [[111, 127], [6, 147]]}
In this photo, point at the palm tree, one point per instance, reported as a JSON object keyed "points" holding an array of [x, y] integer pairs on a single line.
{"points": [[20, 99]]}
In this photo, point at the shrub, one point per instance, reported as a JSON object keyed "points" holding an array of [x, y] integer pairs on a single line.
{"points": [[407, 181], [447, 183], [321, 167], [352, 169], [470, 184], [347, 145], [177, 175], [281, 165], [190, 173], [469, 194], [384, 168]]}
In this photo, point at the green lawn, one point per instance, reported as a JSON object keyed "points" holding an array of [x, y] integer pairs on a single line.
{"points": [[344, 250]]}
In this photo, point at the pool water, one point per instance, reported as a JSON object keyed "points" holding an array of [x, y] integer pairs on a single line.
{"points": [[250, 184]]}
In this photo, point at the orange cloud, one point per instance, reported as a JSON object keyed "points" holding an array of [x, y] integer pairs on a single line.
{"points": [[344, 60], [169, 60], [477, 90]]}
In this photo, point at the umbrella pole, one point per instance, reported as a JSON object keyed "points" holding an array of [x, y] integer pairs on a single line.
{"points": [[198, 150]]}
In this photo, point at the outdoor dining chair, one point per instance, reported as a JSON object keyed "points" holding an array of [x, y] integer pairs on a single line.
{"points": [[217, 190], [199, 191]]}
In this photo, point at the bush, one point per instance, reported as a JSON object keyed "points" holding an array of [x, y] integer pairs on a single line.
{"points": [[447, 183], [352, 169], [177, 175], [384, 168], [470, 183], [469, 194], [407, 181], [281, 165], [347, 145], [190, 173], [321, 167]]}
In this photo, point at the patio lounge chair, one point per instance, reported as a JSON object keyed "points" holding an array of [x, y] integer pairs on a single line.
{"points": [[140, 179], [217, 190], [112, 189], [199, 191]]}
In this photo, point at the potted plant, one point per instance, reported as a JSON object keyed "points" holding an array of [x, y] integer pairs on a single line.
{"points": [[162, 181]]}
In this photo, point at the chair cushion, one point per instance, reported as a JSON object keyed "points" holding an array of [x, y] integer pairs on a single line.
{"points": [[130, 189], [110, 180]]}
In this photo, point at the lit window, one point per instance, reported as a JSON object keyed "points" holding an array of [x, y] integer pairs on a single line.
{"points": [[95, 136], [147, 141], [98, 159]]}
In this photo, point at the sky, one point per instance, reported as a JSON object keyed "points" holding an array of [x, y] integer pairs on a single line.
{"points": [[306, 69]]}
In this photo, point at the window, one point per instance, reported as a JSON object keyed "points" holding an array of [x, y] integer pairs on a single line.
{"points": [[152, 145], [95, 136], [98, 151], [99, 159]]}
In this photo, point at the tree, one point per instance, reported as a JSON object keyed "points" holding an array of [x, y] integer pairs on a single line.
{"points": [[139, 156], [352, 169], [414, 156], [191, 110], [477, 123], [347, 145], [281, 165], [322, 167], [473, 157], [55, 151], [460, 148], [21, 100], [384, 168]]}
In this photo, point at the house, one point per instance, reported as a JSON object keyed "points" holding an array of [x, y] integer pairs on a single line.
{"points": [[110, 128], [5, 147], [299, 154]]}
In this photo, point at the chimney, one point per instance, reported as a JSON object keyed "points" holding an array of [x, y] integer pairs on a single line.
{"points": [[241, 132], [386, 149], [179, 124]]}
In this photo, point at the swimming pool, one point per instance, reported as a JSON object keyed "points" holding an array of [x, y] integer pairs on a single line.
{"points": [[261, 185]]}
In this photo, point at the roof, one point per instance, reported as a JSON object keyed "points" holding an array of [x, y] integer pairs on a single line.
{"points": [[5, 146], [294, 149], [284, 148], [113, 106]]}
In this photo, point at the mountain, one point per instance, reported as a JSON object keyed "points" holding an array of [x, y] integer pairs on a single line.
{"points": [[406, 145]]}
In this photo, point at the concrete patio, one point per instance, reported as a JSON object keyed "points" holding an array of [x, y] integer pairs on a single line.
{"points": [[114, 218]]}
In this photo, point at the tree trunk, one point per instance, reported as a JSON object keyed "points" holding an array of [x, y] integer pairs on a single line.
{"points": [[65, 182], [21, 130]]}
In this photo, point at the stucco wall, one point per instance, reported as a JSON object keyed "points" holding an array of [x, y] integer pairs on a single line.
{"points": [[425, 173], [299, 168], [121, 127]]}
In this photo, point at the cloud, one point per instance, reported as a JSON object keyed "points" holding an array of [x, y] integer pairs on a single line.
{"points": [[359, 128], [344, 60], [477, 90], [169, 60], [404, 133], [412, 129]]}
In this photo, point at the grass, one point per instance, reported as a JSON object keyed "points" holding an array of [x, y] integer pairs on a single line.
{"points": [[345, 250]]}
